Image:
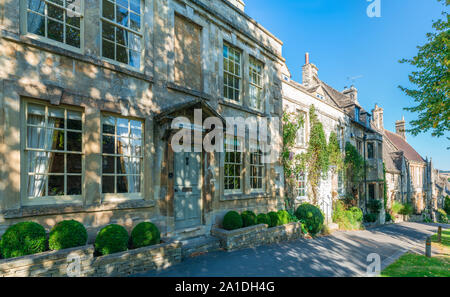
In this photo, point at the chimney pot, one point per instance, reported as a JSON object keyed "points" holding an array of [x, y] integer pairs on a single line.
{"points": [[306, 58]]}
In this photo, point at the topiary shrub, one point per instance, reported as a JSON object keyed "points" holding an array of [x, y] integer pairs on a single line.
{"points": [[284, 217], [311, 216], [370, 218], [232, 221], [66, 235], [447, 205], [145, 234], [442, 216], [274, 219], [374, 206], [248, 218], [111, 239], [262, 218], [23, 239]]}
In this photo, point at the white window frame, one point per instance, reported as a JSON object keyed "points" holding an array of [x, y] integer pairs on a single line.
{"points": [[228, 74], [46, 199], [139, 33], [24, 26], [235, 150], [257, 153], [117, 197], [301, 191], [256, 75]]}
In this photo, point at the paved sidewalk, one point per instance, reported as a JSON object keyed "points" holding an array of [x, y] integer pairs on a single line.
{"points": [[341, 254]]}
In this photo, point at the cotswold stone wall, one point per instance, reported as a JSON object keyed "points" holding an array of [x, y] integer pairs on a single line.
{"points": [[256, 235], [81, 262]]}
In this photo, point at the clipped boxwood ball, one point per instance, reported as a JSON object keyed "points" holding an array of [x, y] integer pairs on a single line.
{"points": [[274, 219], [111, 239], [23, 239], [145, 234], [284, 217], [262, 218], [232, 221], [311, 216], [66, 235], [249, 218]]}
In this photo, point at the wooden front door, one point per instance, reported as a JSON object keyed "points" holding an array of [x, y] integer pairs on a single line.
{"points": [[187, 189]]}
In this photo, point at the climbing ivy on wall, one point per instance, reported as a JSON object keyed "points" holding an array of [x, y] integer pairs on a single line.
{"points": [[354, 164], [334, 152], [292, 122], [385, 186], [315, 161]]}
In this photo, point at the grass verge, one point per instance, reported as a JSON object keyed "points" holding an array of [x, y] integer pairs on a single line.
{"points": [[413, 265]]}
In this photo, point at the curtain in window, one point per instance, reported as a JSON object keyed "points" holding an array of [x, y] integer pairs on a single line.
{"points": [[38, 162], [133, 168]]}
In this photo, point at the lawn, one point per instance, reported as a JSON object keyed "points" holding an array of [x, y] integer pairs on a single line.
{"points": [[413, 265]]}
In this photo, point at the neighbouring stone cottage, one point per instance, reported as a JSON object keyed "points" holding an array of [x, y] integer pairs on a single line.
{"points": [[87, 94], [339, 112]]}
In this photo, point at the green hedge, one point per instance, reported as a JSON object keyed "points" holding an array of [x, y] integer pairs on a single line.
{"points": [[263, 218], [111, 239], [67, 234], [23, 239], [311, 216], [232, 221], [274, 219], [442, 216], [284, 217], [249, 218], [370, 218], [447, 205], [145, 234]]}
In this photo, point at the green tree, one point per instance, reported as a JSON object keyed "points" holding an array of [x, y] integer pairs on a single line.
{"points": [[432, 81]]}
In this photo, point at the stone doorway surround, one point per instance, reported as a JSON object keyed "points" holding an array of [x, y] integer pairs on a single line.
{"points": [[208, 160]]}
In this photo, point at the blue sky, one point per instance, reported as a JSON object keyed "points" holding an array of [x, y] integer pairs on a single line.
{"points": [[344, 42]]}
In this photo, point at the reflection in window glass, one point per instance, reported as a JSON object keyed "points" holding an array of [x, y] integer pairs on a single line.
{"points": [[122, 155]]}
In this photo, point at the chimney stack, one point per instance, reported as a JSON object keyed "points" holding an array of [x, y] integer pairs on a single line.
{"points": [[378, 117], [352, 93], [309, 71], [400, 128]]}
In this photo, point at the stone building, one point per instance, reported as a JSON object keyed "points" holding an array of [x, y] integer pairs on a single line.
{"points": [[87, 94], [339, 112], [411, 181]]}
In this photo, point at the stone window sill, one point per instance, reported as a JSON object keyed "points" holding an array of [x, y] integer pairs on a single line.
{"points": [[30, 211], [231, 197]]}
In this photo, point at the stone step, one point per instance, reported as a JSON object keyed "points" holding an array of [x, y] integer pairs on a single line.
{"points": [[199, 245]]}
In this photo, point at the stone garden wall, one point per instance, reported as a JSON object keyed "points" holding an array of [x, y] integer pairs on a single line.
{"points": [[81, 262], [256, 235]]}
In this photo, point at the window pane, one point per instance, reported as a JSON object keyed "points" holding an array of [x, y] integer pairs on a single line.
{"points": [[37, 162], [74, 185], [74, 163], [73, 20], [122, 127], [122, 16], [74, 142], [73, 37], [122, 165], [108, 184], [108, 145], [135, 59], [108, 165], [55, 30], [135, 5], [135, 42], [36, 5], [122, 146], [121, 36], [37, 185], [36, 24], [56, 118], [36, 138], [55, 12], [108, 49], [122, 184], [56, 163], [122, 54], [109, 125], [74, 120], [108, 31], [55, 185], [56, 140], [134, 183], [135, 22], [108, 10], [136, 147]]}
